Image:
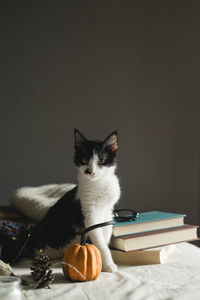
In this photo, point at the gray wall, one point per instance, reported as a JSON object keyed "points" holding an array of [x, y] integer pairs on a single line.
{"points": [[101, 66]]}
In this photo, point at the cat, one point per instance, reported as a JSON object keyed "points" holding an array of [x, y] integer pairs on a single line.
{"points": [[90, 202]]}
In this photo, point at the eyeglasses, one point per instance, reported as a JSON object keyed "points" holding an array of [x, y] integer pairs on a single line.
{"points": [[121, 215]]}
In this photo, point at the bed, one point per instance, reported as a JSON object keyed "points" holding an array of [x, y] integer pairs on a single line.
{"points": [[178, 278]]}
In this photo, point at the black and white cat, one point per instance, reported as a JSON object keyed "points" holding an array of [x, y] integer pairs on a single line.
{"points": [[90, 202]]}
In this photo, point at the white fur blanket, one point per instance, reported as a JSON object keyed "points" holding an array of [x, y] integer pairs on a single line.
{"points": [[34, 202]]}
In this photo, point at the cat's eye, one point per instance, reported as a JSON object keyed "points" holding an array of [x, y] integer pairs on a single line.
{"points": [[84, 160], [101, 161]]}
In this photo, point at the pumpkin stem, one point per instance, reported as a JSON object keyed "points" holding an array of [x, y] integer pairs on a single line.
{"points": [[83, 242]]}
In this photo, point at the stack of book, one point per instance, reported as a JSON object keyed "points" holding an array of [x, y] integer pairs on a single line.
{"points": [[133, 242]]}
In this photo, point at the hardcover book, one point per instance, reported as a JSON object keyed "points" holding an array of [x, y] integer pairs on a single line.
{"points": [[137, 257], [155, 238], [148, 221]]}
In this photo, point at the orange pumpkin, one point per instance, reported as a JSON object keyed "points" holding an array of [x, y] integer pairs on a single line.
{"points": [[82, 262]]}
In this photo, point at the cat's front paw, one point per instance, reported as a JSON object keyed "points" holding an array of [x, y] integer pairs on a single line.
{"points": [[110, 268]]}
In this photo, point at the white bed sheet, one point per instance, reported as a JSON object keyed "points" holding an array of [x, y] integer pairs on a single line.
{"points": [[178, 278]]}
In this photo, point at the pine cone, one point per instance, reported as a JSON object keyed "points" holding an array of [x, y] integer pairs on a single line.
{"points": [[40, 270], [46, 279]]}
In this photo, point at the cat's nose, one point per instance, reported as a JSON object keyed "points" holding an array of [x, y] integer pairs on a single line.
{"points": [[92, 173]]}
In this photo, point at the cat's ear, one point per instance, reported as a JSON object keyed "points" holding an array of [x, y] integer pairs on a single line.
{"points": [[111, 142], [79, 138]]}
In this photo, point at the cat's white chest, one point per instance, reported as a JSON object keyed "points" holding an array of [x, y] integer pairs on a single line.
{"points": [[102, 193]]}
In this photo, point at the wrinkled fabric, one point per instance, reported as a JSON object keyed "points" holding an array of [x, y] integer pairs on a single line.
{"points": [[177, 278]]}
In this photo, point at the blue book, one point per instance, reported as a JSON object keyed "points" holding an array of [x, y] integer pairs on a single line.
{"points": [[148, 221]]}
